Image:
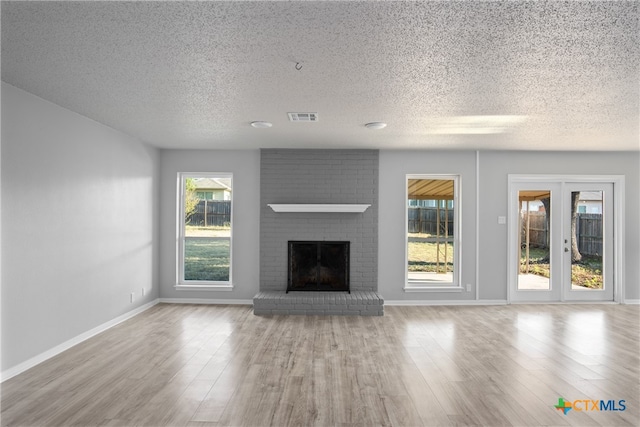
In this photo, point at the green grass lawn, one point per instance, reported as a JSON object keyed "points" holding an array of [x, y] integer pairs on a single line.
{"points": [[538, 262], [207, 259], [212, 231], [587, 272], [423, 256]]}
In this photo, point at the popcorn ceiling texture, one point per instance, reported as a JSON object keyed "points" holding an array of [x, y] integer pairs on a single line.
{"points": [[195, 74]]}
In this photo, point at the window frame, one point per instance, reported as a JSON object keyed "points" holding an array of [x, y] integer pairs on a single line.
{"points": [[455, 285], [199, 285]]}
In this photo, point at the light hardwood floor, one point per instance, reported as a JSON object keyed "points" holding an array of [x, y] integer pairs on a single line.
{"points": [[199, 365]]}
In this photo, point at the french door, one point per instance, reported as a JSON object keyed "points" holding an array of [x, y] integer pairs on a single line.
{"points": [[561, 235]]}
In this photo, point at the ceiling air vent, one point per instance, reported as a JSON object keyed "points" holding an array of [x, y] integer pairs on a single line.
{"points": [[303, 117]]}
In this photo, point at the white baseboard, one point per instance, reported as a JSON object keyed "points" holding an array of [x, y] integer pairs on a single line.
{"points": [[206, 301], [564, 303], [632, 301], [36, 360], [446, 302]]}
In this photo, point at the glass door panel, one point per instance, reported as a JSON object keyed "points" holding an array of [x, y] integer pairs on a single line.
{"points": [[535, 254], [589, 245], [535, 219]]}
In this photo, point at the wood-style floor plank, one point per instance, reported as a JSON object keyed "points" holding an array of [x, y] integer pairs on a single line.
{"points": [[218, 366]]}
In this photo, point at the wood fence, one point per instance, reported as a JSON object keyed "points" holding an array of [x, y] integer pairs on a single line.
{"points": [[588, 231], [425, 220], [211, 213]]}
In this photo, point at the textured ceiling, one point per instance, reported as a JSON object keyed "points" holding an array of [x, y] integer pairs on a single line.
{"points": [[195, 74]]}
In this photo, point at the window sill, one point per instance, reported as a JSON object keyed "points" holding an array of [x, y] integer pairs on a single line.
{"points": [[208, 287], [431, 288]]}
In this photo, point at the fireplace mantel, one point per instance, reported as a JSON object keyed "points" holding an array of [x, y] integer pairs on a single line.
{"points": [[319, 208]]}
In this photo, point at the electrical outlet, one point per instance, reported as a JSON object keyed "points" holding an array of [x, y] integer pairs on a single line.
{"points": [[468, 287], [133, 296]]}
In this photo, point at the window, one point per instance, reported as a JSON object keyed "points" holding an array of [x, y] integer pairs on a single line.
{"points": [[432, 230], [204, 231], [205, 195]]}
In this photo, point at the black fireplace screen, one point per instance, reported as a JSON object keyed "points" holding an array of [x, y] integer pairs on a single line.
{"points": [[318, 266]]}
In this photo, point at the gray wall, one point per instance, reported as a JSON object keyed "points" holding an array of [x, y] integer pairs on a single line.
{"points": [[79, 225], [319, 176], [490, 262], [494, 168], [493, 171], [245, 166]]}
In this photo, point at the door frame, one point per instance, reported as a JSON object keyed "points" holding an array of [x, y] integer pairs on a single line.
{"points": [[618, 182]]}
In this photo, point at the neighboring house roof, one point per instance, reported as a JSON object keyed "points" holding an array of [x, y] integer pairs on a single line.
{"points": [[591, 196], [212, 184]]}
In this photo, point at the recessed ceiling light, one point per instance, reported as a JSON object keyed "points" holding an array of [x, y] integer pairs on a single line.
{"points": [[261, 125], [474, 125], [375, 125]]}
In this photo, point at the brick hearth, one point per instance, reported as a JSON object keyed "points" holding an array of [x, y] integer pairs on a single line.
{"points": [[358, 303]]}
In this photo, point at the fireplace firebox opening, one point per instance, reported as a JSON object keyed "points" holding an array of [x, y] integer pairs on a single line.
{"points": [[318, 266]]}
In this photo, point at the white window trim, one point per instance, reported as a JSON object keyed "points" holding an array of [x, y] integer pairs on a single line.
{"points": [[455, 285], [198, 285], [209, 286]]}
